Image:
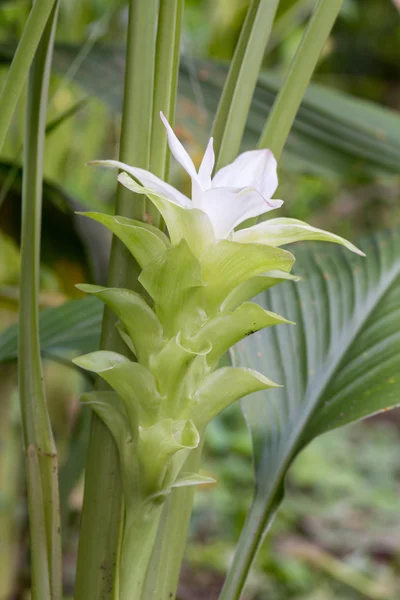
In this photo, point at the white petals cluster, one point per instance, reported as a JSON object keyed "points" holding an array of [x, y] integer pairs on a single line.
{"points": [[240, 191], [237, 192]]}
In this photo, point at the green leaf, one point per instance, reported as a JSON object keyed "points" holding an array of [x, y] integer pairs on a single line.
{"points": [[173, 370], [253, 286], [339, 364], [109, 407], [163, 448], [73, 327], [139, 320], [221, 388], [188, 479], [143, 241], [189, 224], [120, 327], [174, 282], [229, 327], [282, 231], [184, 480], [228, 264], [132, 381], [242, 78]]}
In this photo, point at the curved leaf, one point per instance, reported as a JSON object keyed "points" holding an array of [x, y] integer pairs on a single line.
{"points": [[132, 381], [140, 323], [143, 241], [190, 224], [339, 364], [221, 388], [228, 327], [282, 231], [73, 327], [174, 281], [227, 264]]}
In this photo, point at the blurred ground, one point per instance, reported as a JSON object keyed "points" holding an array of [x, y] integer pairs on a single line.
{"points": [[337, 534]]}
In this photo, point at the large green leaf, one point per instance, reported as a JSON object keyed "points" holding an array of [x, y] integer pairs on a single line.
{"points": [[333, 131], [339, 364], [72, 328]]}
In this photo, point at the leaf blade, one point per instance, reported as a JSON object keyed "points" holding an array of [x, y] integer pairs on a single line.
{"points": [[346, 310]]}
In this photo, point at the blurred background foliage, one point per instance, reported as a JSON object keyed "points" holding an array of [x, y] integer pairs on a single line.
{"points": [[338, 532]]}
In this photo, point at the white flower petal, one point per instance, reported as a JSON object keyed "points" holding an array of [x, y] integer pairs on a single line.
{"points": [[206, 167], [282, 231], [178, 150], [255, 168], [227, 208], [148, 180]]}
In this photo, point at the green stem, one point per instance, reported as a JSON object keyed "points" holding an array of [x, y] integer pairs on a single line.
{"points": [[288, 101], [41, 464], [9, 480], [138, 541], [165, 87], [102, 506], [251, 538], [18, 71], [166, 560], [231, 117]]}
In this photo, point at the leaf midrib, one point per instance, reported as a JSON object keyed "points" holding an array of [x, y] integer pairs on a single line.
{"points": [[333, 362], [294, 442]]}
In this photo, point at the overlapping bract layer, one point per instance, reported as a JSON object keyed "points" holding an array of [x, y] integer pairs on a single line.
{"points": [[200, 280], [199, 309]]}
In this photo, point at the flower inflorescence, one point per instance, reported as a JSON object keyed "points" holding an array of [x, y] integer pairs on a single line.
{"points": [[200, 279]]}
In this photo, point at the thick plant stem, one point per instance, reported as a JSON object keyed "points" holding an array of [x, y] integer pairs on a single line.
{"points": [[103, 506], [165, 87], [237, 95], [140, 532], [18, 71], [41, 454], [164, 568], [288, 101]]}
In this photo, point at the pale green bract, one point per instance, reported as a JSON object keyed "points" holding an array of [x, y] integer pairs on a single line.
{"points": [[200, 280]]}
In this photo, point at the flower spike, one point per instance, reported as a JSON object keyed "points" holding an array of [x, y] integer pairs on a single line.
{"points": [[198, 283]]}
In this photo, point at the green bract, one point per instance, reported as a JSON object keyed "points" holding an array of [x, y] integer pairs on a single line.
{"points": [[199, 310]]}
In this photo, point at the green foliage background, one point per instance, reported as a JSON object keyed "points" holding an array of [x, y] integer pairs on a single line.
{"points": [[338, 532]]}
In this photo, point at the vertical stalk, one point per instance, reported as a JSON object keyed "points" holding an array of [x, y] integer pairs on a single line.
{"points": [[18, 71], [237, 94], [288, 100], [102, 507], [234, 70], [41, 454], [165, 87], [9, 481], [140, 531], [166, 561]]}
